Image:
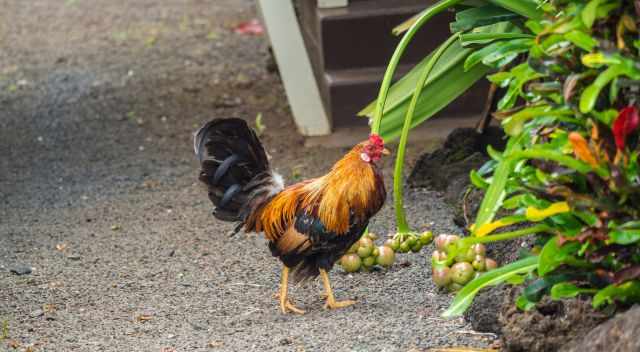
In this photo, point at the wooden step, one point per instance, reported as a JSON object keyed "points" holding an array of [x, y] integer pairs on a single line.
{"points": [[350, 48], [346, 92], [360, 36]]}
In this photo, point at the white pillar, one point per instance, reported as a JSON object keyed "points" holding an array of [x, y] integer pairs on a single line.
{"points": [[295, 67]]}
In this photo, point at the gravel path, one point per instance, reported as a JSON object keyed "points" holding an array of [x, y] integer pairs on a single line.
{"points": [[98, 198]]}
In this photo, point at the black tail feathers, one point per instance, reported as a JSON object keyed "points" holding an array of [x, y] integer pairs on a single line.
{"points": [[235, 168]]}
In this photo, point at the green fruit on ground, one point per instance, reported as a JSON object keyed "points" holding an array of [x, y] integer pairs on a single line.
{"points": [[461, 257], [365, 242], [393, 244], [490, 264], [354, 248], [441, 241], [438, 256], [386, 257], [364, 252], [451, 239], [479, 249], [479, 263], [465, 255], [461, 273], [411, 239], [416, 247], [351, 263], [372, 236], [441, 276], [368, 262], [426, 238], [404, 247], [375, 252], [454, 287]]}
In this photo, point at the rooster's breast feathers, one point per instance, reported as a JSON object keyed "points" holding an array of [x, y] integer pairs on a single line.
{"points": [[351, 192]]}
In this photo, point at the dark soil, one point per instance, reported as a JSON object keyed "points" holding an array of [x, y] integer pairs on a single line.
{"points": [[447, 169], [484, 313], [106, 239], [547, 327]]}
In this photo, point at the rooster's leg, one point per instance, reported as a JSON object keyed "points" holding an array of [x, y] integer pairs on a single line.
{"points": [[285, 304], [331, 300]]}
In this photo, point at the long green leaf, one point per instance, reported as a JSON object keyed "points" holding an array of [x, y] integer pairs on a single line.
{"points": [[463, 299], [495, 194], [397, 54], [435, 96], [480, 16], [484, 38], [402, 90], [526, 8]]}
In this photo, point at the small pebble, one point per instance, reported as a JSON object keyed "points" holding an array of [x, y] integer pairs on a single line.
{"points": [[21, 270], [36, 313]]}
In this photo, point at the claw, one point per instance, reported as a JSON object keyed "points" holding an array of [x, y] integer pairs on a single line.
{"points": [[288, 306], [333, 304], [285, 304], [331, 300]]}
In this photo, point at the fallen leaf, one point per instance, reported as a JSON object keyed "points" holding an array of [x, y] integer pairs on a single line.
{"points": [[215, 344], [252, 27], [116, 227], [144, 317], [13, 344], [61, 246]]}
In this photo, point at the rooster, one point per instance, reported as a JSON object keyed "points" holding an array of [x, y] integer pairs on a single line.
{"points": [[309, 225]]}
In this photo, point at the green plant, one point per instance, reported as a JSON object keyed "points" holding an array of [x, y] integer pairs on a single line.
{"points": [[5, 330], [571, 165], [444, 75], [570, 71]]}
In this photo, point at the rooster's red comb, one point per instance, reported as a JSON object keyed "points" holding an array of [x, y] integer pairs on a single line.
{"points": [[375, 139]]}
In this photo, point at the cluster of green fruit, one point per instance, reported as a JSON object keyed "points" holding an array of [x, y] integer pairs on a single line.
{"points": [[364, 254], [405, 242], [466, 265]]}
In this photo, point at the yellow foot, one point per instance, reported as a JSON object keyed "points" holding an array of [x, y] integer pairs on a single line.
{"points": [[286, 306], [333, 304]]}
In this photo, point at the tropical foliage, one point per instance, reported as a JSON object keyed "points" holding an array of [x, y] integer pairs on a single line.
{"points": [[570, 75]]}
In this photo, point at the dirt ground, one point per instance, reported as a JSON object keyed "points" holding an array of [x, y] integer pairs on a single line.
{"points": [[98, 194]]}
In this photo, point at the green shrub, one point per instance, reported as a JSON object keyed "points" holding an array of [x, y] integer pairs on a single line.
{"points": [[570, 71]]}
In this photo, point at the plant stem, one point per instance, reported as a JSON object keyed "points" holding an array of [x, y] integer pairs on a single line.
{"points": [[397, 54], [506, 235], [401, 217]]}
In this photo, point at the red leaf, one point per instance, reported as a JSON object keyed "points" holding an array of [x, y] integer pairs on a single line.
{"points": [[626, 122], [250, 27]]}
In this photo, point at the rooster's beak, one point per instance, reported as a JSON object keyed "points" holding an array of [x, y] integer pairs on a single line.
{"points": [[385, 151]]}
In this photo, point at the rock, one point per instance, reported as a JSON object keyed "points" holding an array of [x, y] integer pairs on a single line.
{"points": [[548, 326], [21, 270], [619, 334], [36, 313]]}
